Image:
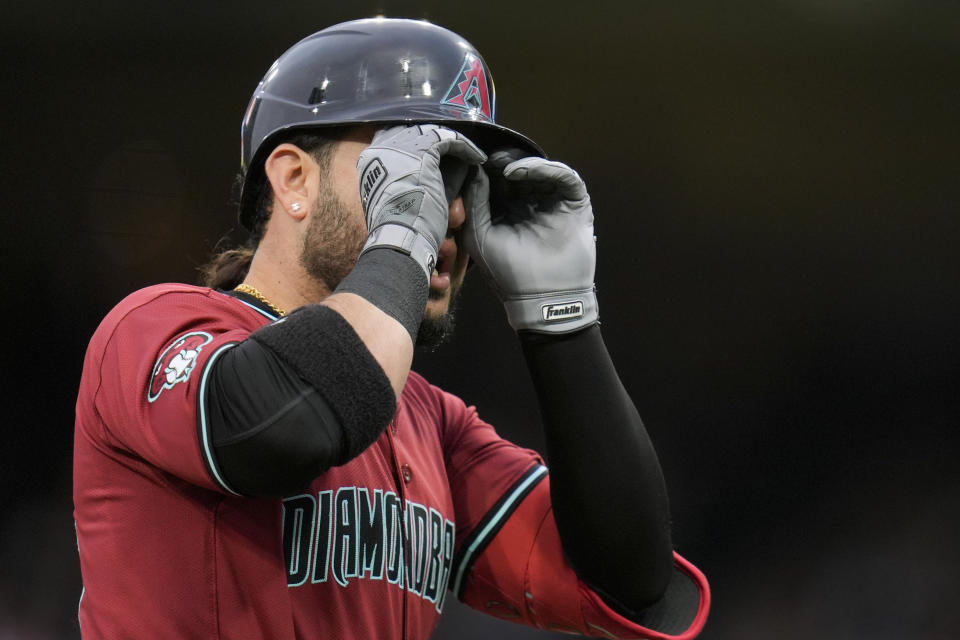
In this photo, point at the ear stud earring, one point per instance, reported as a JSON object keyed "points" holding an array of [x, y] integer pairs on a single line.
{"points": [[295, 207]]}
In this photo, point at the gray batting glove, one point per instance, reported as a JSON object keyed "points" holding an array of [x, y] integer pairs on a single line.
{"points": [[403, 188], [537, 246]]}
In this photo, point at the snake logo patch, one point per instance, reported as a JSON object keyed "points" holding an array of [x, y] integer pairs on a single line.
{"points": [[470, 90], [176, 362]]}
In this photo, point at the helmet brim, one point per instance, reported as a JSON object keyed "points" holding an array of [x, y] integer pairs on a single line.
{"points": [[488, 136]]}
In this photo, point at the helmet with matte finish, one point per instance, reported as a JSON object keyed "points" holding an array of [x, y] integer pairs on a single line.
{"points": [[378, 70]]}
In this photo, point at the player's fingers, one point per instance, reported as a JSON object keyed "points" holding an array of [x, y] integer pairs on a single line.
{"points": [[543, 176], [454, 172], [453, 143]]}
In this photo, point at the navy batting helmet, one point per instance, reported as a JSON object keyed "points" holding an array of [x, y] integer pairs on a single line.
{"points": [[378, 70]]}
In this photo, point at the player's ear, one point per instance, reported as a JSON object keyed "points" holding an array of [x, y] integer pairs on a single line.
{"points": [[291, 172]]}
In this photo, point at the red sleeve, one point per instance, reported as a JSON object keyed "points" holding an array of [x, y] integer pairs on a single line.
{"points": [[521, 575], [509, 561], [481, 466], [151, 358]]}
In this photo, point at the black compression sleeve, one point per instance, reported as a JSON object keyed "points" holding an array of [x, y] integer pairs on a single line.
{"points": [[299, 396], [272, 432], [324, 350], [393, 282], [607, 488]]}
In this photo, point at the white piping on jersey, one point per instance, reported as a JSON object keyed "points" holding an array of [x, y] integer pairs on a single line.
{"points": [[208, 453], [83, 589], [83, 592], [257, 309], [204, 430], [495, 524]]}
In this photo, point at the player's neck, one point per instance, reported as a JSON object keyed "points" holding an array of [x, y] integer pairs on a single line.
{"points": [[282, 280]]}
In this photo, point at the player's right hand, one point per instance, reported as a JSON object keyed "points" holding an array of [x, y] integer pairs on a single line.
{"points": [[404, 189]]}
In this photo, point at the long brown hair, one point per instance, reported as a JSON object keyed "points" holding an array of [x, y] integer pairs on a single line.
{"points": [[228, 267]]}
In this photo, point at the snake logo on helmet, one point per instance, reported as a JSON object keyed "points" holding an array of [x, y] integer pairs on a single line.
{"points": [[377, 70]]}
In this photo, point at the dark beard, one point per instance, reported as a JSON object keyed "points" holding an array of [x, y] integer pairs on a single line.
{"points": [[332, 244], [434, 332], [330, 251]]}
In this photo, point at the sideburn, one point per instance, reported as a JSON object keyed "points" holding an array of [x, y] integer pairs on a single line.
{"points": [[333, 239]]}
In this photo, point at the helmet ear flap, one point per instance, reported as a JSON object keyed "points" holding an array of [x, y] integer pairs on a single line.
{"points": [[382, 71]]}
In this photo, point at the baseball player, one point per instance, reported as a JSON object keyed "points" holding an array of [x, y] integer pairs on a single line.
{"points": [[255, 459]]}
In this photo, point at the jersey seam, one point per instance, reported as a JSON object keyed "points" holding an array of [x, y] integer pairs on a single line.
{"points": [[491, 524], [527, 592]]}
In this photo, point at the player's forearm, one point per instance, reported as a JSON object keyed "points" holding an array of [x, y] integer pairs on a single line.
{"points": [[608, 492], [383, 299], [386, 339]]}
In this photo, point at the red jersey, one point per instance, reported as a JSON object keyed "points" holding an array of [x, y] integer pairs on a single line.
{"points": [[169, 550]]}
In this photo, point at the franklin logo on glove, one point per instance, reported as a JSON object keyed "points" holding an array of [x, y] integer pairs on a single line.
{"points": [[373, 176], [562, 311]]}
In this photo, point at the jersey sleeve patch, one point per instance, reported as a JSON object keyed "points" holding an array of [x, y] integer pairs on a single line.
{"points": [[176, 362]]}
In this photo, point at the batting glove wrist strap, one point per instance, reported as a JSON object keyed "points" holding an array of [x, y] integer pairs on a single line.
{"points": [[559, 312], [405, 240]]}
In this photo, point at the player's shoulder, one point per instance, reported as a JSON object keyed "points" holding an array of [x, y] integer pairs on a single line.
{"points": [[158, 291], [160, 297], [167, 290], [173, 305]]}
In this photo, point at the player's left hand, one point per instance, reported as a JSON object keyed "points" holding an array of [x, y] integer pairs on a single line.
{"points": [[535, 242]]}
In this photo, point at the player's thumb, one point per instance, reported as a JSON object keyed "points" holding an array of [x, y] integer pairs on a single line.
{"points": [[454, 172], [476, 202]]}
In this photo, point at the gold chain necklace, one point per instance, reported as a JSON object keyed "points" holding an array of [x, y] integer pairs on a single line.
{"points": [[252, 291]]}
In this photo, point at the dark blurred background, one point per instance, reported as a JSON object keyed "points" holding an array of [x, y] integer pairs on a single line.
{"points": [[776, 190]]}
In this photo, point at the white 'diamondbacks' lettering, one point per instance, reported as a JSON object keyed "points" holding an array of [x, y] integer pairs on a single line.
{"points": [[359, 533]]}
